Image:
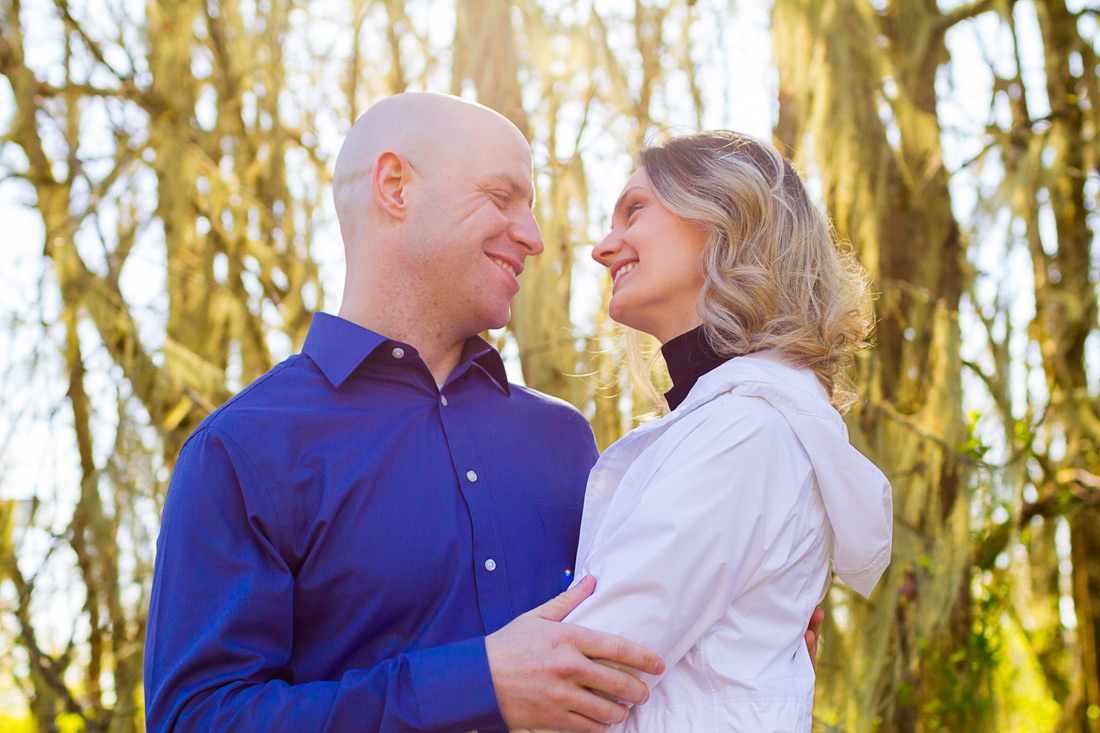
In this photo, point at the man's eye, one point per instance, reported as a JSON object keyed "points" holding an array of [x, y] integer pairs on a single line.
{"points": [[500, 198]]}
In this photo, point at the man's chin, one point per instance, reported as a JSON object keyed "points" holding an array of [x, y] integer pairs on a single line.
{"points": [[500, 323], [495, 321]]}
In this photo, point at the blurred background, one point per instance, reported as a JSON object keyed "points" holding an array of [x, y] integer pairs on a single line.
{"points": [[167, 232]]}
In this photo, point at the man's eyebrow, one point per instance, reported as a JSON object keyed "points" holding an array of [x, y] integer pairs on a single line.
{"points": [[518, 190], [622, 198]]}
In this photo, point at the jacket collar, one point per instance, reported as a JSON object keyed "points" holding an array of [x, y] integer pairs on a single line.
{"points": [[762, 366]]}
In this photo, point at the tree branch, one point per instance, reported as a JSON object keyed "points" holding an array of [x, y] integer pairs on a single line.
{"points": [[50, 669], [92, 46], [965, 12]]}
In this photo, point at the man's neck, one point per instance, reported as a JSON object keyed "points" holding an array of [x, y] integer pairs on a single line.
{"points": [[439, 350], [440, 358]]}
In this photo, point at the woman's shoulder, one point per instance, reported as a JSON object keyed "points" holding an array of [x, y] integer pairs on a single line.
{"points": [[733, 432], [736, 412]]}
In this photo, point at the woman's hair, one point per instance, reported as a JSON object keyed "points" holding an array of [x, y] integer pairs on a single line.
{"points": [[774, 274]]}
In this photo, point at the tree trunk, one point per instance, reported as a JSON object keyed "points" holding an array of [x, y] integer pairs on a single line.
{"points": [[886, 187], [1066, 315]]}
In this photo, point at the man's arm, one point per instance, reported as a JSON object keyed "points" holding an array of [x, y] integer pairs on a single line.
{"points": [[221, 630], [545, 675], [221, 625]]}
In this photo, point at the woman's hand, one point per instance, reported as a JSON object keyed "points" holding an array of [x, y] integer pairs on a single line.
{"points": [[813, 634]]}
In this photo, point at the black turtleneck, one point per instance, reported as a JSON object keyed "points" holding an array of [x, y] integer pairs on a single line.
{"points": [[688, 357]]}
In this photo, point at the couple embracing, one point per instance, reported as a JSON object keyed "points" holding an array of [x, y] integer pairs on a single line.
{"points": [[383, 534]]}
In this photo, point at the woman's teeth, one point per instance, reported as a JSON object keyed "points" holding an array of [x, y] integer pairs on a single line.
{"points": [[622, 271]]}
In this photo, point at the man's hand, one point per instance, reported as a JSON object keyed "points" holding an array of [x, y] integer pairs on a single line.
{"points": [[545, 677], [813, 635]]}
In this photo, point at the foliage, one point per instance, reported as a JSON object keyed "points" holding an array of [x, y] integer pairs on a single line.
{"points": [[177, 158], [943, 206]]}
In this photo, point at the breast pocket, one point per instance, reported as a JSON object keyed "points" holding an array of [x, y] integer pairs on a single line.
{"points": [[562, 526]]}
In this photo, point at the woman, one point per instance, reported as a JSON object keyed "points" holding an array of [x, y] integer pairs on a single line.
{"points": [[711, 530]]}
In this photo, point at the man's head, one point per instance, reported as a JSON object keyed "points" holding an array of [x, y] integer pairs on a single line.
{"points": [[434, 199]]}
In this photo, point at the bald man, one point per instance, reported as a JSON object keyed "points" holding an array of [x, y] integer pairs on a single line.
{"points": [[347, 543]]}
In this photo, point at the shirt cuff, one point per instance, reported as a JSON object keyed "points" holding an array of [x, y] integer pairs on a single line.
{"points": [[454, 688]]}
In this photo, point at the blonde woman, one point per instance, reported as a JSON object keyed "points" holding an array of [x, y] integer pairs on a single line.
{"points": [[711, 530]]}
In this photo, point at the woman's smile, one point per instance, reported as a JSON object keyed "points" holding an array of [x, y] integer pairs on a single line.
{"points": [[618, 271]]}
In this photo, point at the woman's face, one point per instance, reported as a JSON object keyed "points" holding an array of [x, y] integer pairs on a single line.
{"points": [[655, 261]]}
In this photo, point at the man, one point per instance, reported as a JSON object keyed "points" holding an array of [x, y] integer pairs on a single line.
{"points": [[347, 543]]}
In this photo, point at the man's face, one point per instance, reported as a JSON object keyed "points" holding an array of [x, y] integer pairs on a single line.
{"points": [[474, 228]]}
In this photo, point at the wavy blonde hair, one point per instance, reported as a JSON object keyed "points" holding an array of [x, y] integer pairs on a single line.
{"points": [[775, 275]]}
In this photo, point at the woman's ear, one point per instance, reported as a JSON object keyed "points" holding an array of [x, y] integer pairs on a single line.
{"points": [[390, 179]]}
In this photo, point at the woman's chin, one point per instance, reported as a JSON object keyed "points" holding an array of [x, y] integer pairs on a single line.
{"points": [[625, 319], [620, 313]]}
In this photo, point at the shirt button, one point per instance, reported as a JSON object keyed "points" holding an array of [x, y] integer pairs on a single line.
{"points": [[490, 564], [398, 353], [472, 476], [443, 399]]}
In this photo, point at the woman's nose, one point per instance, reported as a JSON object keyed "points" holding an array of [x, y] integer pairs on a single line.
{"points": [[605, 251]]}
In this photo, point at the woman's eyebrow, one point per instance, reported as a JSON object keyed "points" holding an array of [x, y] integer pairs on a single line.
{"points": [[622, 198]]}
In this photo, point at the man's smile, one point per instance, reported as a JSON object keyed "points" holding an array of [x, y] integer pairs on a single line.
{"points": [[507, 266]]}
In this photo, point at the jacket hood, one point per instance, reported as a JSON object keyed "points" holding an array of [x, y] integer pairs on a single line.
{"points": [[856, 494]]}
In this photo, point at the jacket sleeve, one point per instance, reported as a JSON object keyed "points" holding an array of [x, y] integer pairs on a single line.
{"points": [[221, 622], [687, 533]]}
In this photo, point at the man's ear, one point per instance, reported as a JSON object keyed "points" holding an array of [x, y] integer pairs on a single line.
{"points": [[390, 181]]}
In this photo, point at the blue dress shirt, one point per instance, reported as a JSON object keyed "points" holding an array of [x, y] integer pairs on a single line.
{"points": [[338, 539]]}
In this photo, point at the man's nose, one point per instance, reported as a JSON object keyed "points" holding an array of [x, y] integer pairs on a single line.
{"points": [[605, 251], [526, 233]]}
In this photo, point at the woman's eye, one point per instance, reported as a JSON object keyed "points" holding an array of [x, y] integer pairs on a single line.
{"points": [[634, 209]]}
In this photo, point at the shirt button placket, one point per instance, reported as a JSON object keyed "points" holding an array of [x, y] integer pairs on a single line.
{"points": [[487, 548]]}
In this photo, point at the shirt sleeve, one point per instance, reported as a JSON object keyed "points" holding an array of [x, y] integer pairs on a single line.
{"points": [[221, 625], [708, 522]]}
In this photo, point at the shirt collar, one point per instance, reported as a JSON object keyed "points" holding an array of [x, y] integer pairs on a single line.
{"points": [[338, 346], [688, 357], [478, 351]]}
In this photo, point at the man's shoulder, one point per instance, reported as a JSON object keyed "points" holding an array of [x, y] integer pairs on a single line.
{"points": [[279, 390], [538, 399], [531, 399], [552, 414]]}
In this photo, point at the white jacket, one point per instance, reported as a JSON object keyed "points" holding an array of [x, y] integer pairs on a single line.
{"points": [[710, 532]]}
